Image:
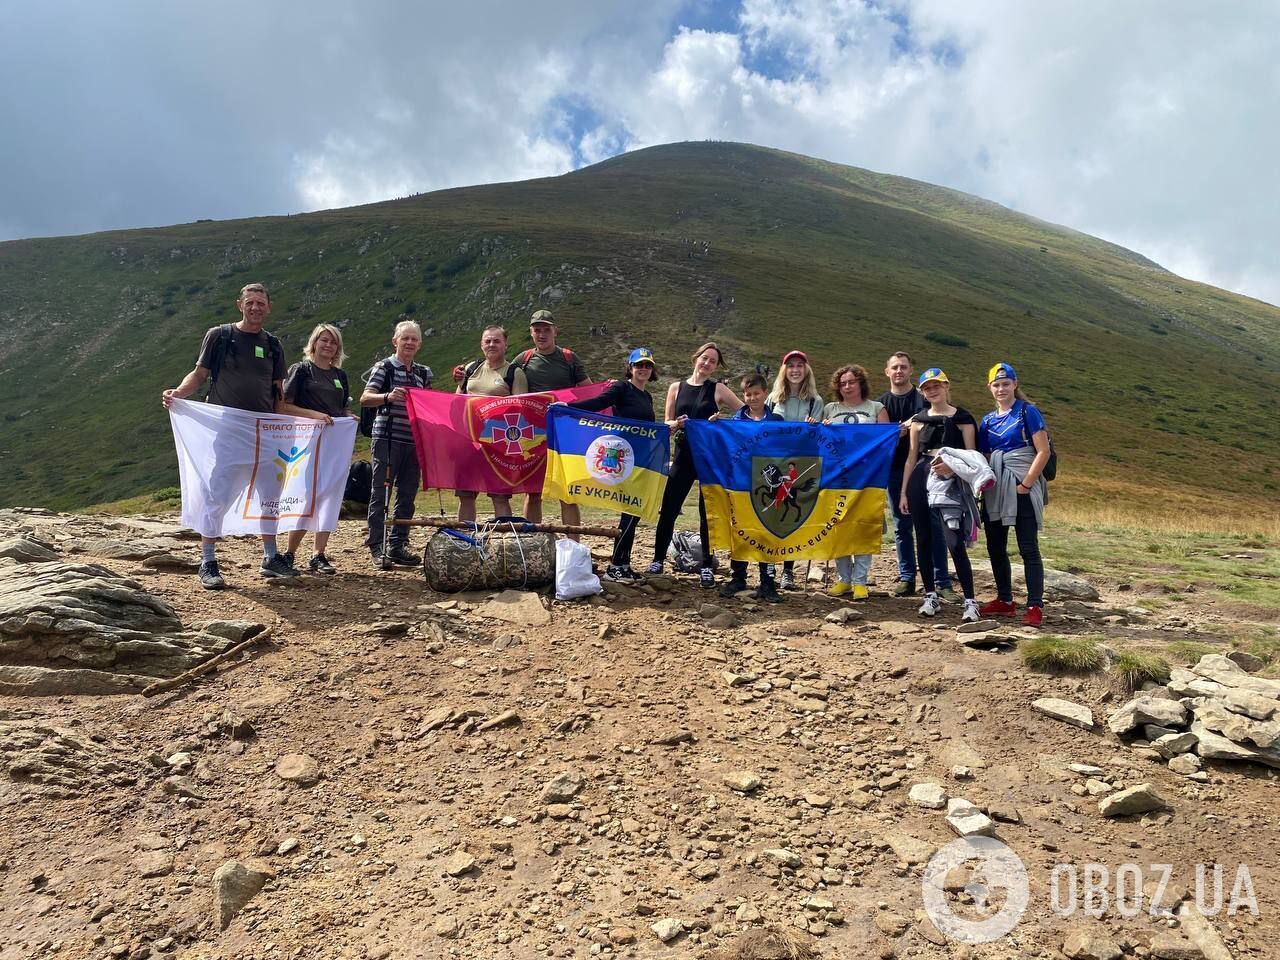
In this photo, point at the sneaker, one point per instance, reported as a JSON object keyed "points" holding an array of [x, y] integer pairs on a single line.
{"points": [[767, 592], [706, 578], [631, 575], [277, 566], [654, 569], [932, 606], [839, 589], [288, 558], [733, 588], [402, 557], [1034, 617], [905, 588], [210, 579], [971, 614], [859, 592], [788, 580], [379, 561], [948, 595], [616, 573], [999, 608], [320, 564]]}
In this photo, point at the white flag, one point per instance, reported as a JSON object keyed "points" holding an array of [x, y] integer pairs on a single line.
{"points": [[259, 473]]}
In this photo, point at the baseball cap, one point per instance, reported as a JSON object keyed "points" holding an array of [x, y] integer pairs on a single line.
{"points": [[641, 355], [542, 316], [933, 373], [1001, 371], [794, 353]]}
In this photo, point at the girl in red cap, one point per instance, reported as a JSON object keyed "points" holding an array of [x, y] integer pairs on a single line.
{"points": [[795, 397]]}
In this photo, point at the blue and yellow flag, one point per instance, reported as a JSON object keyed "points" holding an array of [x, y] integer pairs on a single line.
{"points": [[793, 491], [606, 461]]}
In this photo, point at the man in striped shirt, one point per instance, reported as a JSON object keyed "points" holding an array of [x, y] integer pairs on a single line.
{"points": [[393, 449]]}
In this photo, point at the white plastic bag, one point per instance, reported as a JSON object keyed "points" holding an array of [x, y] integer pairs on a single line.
{"points": [[574, 578]]}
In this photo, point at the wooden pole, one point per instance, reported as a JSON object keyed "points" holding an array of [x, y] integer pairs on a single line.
{"points": [[163, 685], [520, 527]]}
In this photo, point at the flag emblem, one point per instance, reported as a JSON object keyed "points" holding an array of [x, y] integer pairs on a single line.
{"points": [[786, 491], [510, 432], [610, 459]]}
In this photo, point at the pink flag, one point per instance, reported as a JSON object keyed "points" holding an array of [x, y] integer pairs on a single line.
{"points": [[487, 444]]}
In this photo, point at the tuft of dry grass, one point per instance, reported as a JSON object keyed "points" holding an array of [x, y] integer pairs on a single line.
{"points": [[1066, 654], [768, 943], [1133, 669]]}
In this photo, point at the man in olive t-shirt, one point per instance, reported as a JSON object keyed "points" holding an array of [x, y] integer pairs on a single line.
{"points": [[550, 367], [247, 367]]}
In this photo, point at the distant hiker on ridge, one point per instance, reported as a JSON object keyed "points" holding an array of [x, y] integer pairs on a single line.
{"points": [[245, 367]]}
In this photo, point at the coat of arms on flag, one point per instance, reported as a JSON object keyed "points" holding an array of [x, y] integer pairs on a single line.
{"points": [[510, 432], [786, 491]]}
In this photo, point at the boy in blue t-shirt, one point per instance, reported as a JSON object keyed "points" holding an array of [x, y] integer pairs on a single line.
{"points": [[754, 393]]}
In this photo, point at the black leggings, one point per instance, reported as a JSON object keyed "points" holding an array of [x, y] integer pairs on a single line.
{"points": [[622, 546], [679, 483], [1028, 547], [918, 501]]}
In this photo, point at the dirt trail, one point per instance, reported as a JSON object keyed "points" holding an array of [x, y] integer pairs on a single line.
{"points": [[724, 778]]}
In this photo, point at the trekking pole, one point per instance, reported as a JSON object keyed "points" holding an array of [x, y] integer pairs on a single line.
{"points": [[388, 480]]}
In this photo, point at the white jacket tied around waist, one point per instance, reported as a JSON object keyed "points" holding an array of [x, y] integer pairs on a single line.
{"points": [[955, 497], [1001, 501]]}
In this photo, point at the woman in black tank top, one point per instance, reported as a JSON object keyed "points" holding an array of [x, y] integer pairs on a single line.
{"points": [[695, 398]]}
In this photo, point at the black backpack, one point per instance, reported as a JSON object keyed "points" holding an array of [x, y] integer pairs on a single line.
{"points": [[227, 344], [509, 377], [370, 414], [359, 482], [1050, 470]]}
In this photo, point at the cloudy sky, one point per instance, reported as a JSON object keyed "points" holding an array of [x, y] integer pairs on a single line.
{"points": [[1152, 123]]}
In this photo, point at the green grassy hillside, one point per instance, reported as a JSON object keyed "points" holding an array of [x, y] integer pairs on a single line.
{"points": [[1146, 378]]}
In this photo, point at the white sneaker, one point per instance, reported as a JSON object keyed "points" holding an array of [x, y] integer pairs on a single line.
{"points": [[931, 606], [970, 611]]}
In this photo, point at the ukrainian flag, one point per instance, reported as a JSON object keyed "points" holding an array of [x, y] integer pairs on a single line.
{"points": [[606, 461], [793, 491]]}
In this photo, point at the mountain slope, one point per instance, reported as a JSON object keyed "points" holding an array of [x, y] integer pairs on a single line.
{"points": [[1137, 369]]}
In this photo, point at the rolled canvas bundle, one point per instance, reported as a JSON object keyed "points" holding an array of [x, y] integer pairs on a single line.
{"points": [[495, 555]]}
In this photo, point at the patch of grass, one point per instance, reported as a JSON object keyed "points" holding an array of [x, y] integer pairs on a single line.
{"points": [[1189, 651], [1133, 669], [1065, 654], [1261, 641]]}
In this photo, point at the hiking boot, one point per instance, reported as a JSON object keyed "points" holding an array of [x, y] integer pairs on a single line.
{"points": [[277, 567], [999, 608], [788, 580], [948, 594], [971, 614], [767, 592], [859, 592], [654, 569], [706, 578], [733, 588], [379, 561], [320, 564], [932, 606], [1034, 617], [839, 589], [209, 576], [905, 588], [401, 557]]}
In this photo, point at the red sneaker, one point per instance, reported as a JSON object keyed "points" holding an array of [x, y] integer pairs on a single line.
{"points": [[999, 608], [1034, 617]]}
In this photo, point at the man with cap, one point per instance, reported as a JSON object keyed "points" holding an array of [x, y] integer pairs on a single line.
{"points": [[549, 367]]}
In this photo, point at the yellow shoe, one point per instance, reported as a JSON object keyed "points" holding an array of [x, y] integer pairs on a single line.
{"points": [[859, 592], [839, 588]]}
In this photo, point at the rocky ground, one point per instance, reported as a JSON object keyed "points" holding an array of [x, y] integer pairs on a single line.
{"points": [[397, 773]]}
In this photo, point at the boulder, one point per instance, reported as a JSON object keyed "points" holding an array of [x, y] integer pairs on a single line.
{"points": [[1064, 710], [1059, 585], [516, 606], [234, 885], [1148, 709], [27, 549], [1246, 661], [1214, 746], [1141, 798], [1234, 726], [1229, 673]]}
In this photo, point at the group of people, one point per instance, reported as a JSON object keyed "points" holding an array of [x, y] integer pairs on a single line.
{"points": [[941, 448]]}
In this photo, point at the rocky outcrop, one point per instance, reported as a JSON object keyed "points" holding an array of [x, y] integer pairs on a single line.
{"points": [[40, 758]]}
